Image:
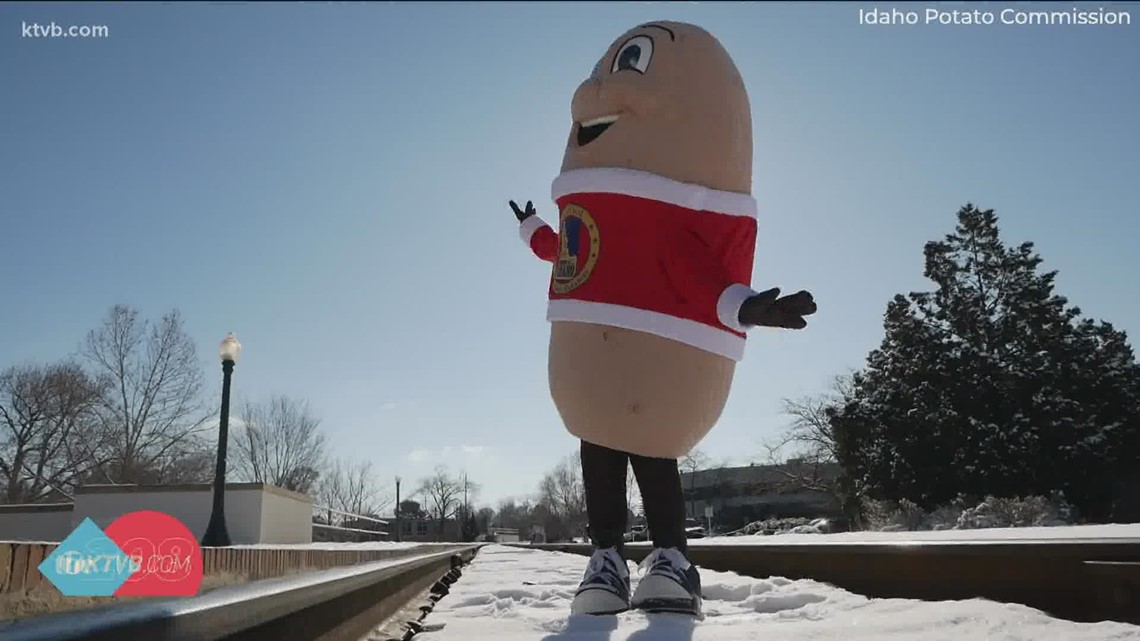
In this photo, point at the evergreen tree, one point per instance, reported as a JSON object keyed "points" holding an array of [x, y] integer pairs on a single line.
{"points": [[470, 527], [991, 384]]}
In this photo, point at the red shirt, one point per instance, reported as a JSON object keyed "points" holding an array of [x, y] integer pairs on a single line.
{"points": [[647, 253]]}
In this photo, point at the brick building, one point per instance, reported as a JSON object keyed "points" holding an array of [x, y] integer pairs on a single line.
{"points": [[428, 530]]}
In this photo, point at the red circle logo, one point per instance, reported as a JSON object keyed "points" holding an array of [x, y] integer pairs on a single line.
{"points": [[165, 556]]}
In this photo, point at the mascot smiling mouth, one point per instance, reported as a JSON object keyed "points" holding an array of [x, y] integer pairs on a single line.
{"points": [[589, 130]]}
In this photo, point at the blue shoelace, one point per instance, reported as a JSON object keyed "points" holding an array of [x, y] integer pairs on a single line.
{"points": [[608, 575]]}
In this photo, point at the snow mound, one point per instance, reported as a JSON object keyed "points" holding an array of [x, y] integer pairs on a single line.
{"points": [[1036, 511], [967, 514], [1123, 531], [787, 525]]}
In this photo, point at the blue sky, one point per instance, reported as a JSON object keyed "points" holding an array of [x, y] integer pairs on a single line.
{"points": [[329, 182]]}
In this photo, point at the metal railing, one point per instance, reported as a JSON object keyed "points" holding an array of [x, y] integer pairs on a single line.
{"points": [[342, 603], [346, 517]]}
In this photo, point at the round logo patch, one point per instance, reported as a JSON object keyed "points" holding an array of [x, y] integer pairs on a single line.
{"points": [[164, 555], [580, 244]]}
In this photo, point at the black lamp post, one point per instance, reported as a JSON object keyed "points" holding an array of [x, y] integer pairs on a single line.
{"points": [[399, 531], [216, 534]]}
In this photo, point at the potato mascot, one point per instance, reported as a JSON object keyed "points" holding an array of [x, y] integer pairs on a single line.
{"points": [[650, 293]]}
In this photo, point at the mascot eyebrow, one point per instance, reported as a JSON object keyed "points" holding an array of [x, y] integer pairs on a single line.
{"points": [[657, 26]]}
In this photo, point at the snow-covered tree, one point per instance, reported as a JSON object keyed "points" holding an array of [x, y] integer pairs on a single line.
{"points": [[991, 385]]}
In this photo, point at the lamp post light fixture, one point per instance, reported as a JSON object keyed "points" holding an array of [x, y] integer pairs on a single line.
{"points": [[216, 534]]}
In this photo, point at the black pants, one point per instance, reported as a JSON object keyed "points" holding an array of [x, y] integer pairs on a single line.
{"points": [[604, 475]]}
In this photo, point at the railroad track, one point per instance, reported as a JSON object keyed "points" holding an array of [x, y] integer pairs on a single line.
{"points": [[1085, 580], [341, 604], [1080, 580]]}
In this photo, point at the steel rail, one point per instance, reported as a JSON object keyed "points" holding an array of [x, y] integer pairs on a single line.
{"points": [[330, 605], [1084, 580]]}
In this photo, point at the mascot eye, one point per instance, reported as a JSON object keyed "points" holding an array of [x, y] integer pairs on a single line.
{"points": [[634, 55]]}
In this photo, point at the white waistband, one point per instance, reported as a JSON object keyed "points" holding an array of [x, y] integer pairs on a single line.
{"points": [[699, 335]]}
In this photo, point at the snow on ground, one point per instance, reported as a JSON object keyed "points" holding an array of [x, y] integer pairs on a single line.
{"points": [[515, 594], [1114, 531]]}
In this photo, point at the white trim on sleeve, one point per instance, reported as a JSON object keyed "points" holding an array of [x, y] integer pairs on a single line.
{"points": [[729, 303], [528, 226]]}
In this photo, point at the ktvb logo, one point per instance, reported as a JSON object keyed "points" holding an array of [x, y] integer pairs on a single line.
{"points": [[144, 553]]}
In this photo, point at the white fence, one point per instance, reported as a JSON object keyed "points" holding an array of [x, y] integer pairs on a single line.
{"points": [[503, 535], [338, 521]]}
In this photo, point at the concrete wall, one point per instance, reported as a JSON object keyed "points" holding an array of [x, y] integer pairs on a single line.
{"points": [[37, 522], [255, 513], [190, 504], [286, 517]]}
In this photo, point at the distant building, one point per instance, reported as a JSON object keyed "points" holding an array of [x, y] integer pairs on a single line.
{"points": [[428, 530], [741, 495]]}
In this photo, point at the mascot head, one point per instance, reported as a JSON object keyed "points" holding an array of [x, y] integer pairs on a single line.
{"points": [[666, 98]]}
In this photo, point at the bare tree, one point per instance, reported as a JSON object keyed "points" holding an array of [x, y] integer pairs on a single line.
{"points": [[804, 457], [694, 461], [48, 429], [484, 517], [691, 463], [563, 493], [514, 514], [156, 382], [809, 436], [191, 460], [279, 442], [804, 451], [352, 487], [442, 495]]}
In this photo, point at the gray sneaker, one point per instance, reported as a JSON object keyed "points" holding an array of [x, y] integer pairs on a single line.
{"points": [[672, 584], [605, 585]]}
